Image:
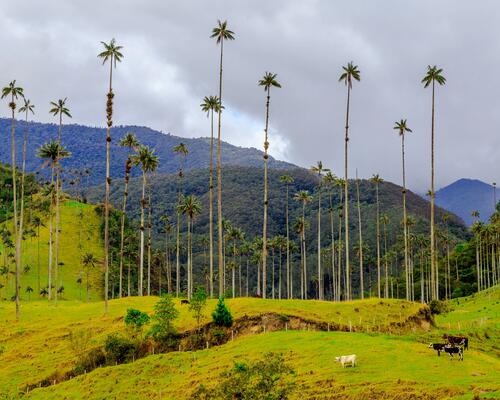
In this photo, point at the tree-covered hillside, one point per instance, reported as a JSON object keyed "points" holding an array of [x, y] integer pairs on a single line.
{"points": [[87, 147]]}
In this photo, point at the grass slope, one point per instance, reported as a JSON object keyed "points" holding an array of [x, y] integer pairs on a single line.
{"points": [[39, 346], [71, 230], [389, 368]]}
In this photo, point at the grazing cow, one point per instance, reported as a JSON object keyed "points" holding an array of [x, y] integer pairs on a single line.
{"points": [[184, 301], [347, 360], [439, 347], [457, 340], [454, 350]]}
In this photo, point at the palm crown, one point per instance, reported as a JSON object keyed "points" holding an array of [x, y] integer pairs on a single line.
{"points": [[27, 107], [349, 73], [190, 206], [211, 103], [376, 179], [53, 151], [303, 196], [286, 179], [130, 141], [59, 107], [111, 52], [402, 127], [318, 168], [146, 159], [182, 149], [269, 80], [433, 74], [221, 32], [12, 90]]}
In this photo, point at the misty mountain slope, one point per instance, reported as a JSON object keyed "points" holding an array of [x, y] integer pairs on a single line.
{"points": [[87, 147], [466, 195]]}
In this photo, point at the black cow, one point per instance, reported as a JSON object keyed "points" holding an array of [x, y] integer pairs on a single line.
{"points": [[454, 350], [457, 340], [184, 301], [439, 347]]}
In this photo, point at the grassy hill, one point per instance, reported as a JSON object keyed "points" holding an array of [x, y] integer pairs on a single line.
{"points": [[79, 223], [390, 366]]}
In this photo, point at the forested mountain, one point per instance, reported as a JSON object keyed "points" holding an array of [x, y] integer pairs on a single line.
{"points": [[87, 147], [242, 203], [464, 196]]}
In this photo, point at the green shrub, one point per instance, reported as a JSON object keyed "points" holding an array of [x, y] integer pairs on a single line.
{"points": [[221, 315], [269, 378], [135, 320], [119, 349], [439, 307], [89, 361], [163, 331]]}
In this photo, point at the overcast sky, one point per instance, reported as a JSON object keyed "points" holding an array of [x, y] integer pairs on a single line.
{"points": [[170, 63]]}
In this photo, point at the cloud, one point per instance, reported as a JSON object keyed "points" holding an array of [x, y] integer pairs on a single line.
{"points": [[171, 63]]}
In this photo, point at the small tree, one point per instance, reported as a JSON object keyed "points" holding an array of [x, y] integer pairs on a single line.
{"points": [[135, 320], [163, 330], [197, 304], [222, 315]]}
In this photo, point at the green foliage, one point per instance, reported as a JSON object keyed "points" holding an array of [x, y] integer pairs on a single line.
{"points": [[119, 349], [198, 303], [163, 330], [222, 315], [269, 378], [136, 319], [439, 307]]}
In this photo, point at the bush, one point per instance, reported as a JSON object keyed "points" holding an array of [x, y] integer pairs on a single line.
{"points": [[135, 320], [90, 360], [197, 304], [222, 316], [163, 331], [119, 349], [269, 378], [439, 307]]}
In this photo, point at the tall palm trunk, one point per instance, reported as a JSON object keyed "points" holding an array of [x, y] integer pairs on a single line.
{"points": [[360, 230], [378, 241], [346, 200], [128, 165], [264, 228], [288, 277], [141, 254], [51, 229], [434, 272], [149, 244], [109, 115], [58, 183], [219, 180], [320, 280], [339, 263], [14, 201], [405, 229], [334, 292], [211, 201], [304, 248], [386, 261], [189, 275]]}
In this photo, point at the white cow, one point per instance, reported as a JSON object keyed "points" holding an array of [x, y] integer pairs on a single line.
{"points": [[347, 360]]}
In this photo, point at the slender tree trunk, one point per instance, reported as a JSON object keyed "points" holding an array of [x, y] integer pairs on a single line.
{"points": [[386, 290], [109, 112], [141, 250], [288, 290], [122, 220], [360, 229], [264, 228], [333, 247], [58, 184], [304, 248], [219, 179], [211, 213], [14, 201], [405, 229], [128, 278], [189, 277], [434, 272], [320, 284], [149, 244], [51, 229], [378, 242], [346, 200]]}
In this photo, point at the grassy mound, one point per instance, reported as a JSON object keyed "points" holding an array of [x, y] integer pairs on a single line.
{"points": [[79, 223]]}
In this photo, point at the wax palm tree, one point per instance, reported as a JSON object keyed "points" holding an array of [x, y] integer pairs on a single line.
{"points": [[167, 228], [433, 75], [58, 109], [403, 129], [350, 73], [267, 81], [319, 170], [182, 151], [221, 33], [52, 152], [287, 180], [191, 207], [340, 183], [37, 224], [360, 241], [384, 220], [330, 181], [15, 92], [211, 105], [112, 53], [131, 142], [377, 180], [89, 262], [148, 161], [305, 198], [29, 290]]}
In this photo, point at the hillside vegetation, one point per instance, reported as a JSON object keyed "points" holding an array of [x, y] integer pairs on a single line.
{"points": [[390, 366]]}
